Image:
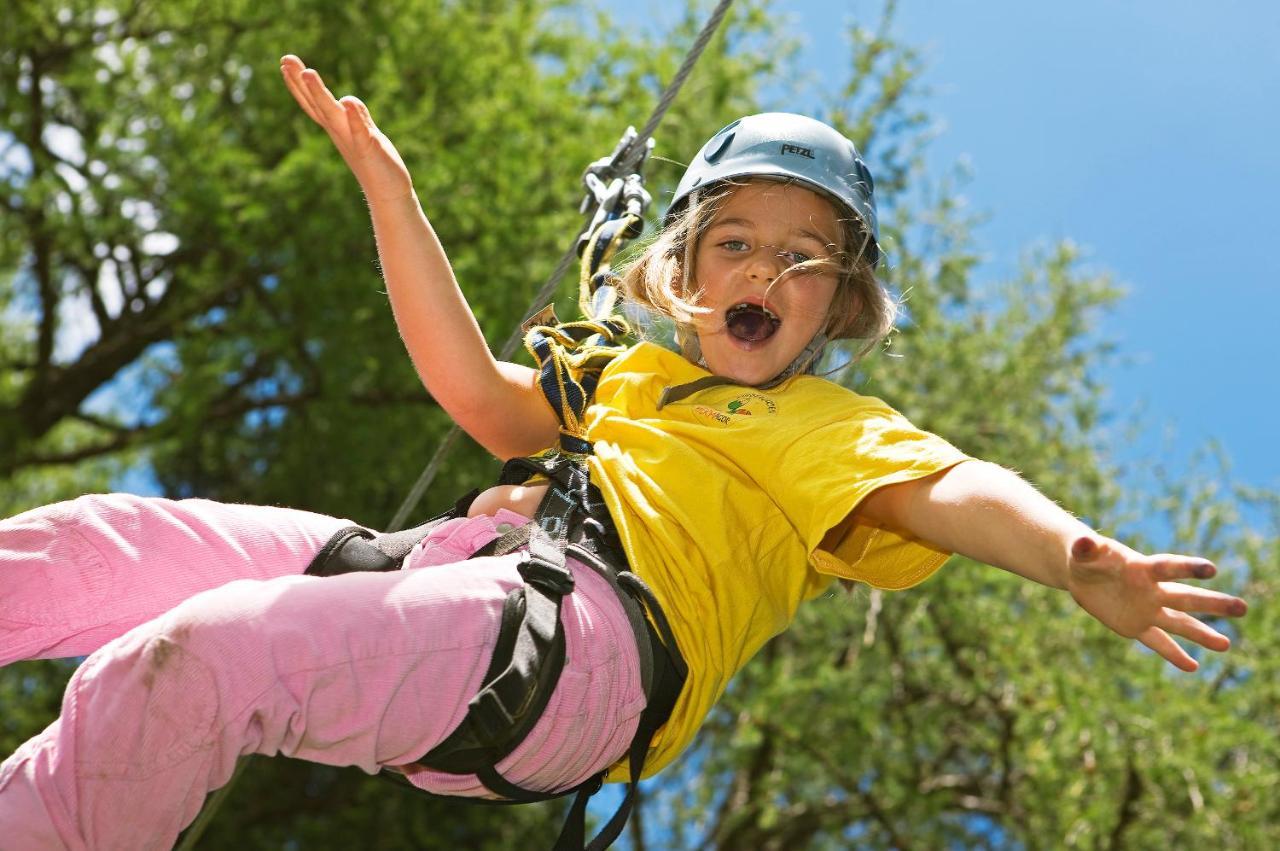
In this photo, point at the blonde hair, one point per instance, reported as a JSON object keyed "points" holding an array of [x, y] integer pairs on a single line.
{"points": [[658, 279]]}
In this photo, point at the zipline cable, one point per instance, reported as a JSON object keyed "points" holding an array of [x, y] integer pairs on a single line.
{"points": [[632, 153], [549, 287]]}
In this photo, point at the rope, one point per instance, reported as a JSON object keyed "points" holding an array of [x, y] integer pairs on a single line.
{"points": [[549, 287]]}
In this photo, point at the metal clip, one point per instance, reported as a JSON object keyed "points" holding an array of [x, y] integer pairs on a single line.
{"points": [[615, 187], [627, 159]]}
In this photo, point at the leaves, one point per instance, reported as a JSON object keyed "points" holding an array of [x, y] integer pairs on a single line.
{"points": [[188, 288]]}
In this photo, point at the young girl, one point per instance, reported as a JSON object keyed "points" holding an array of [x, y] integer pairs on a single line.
{"points": [[738, 484]]}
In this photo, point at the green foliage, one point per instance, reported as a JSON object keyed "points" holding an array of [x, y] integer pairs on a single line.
{"points": [[161, 187]]}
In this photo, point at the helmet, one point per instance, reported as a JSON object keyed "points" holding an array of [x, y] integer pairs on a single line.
{"points": [[789, 147]]}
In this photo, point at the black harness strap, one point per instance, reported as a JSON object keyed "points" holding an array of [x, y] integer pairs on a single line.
{"points": [[355, 548], [511, 701]]}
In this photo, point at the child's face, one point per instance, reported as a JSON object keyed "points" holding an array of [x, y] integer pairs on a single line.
{"points": [[755, 327]]}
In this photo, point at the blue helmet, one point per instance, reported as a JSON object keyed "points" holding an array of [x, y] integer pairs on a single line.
{"points": [[785, 146]]}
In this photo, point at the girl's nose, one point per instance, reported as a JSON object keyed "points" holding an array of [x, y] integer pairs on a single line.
{"points": [[765, 264]]}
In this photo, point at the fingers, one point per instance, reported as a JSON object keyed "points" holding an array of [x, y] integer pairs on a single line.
{"points": [[1159, 641], [1098, 552], [1192, 629], [1158, 637], [1166, 566], [322, 100], [291, 68], [1085, 548], [309, 90], [358, 117], [1189, 598]]}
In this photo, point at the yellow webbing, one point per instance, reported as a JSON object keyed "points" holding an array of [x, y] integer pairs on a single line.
{"points": [[571, 355]]}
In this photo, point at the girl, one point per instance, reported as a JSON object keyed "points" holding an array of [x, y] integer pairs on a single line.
{"points": [[738, 486]]}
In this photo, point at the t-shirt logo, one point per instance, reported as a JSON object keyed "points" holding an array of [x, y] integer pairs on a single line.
{"points": [[747, 404]]}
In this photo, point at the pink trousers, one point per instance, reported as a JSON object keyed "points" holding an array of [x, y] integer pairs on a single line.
{"points": [[205, 643]]}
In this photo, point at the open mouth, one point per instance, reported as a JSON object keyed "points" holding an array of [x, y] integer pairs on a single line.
{"points": [[751, 322]]}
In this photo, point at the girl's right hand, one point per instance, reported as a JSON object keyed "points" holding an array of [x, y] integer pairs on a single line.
{"points": [[367, 151]]}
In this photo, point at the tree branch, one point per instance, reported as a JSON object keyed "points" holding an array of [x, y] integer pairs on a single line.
{"points": [[1128, 804], [849, 784], [103, 423], [41, 241], [120, 441]]}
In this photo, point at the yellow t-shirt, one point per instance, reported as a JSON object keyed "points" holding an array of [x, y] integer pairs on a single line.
{"points": [[723, 500]]}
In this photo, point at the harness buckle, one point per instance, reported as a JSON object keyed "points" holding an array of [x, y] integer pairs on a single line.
{"points": [[546, 576]]}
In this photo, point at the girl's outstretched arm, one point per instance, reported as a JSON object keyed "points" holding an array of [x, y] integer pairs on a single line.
{"points": [[990, 514], [497, 403]]}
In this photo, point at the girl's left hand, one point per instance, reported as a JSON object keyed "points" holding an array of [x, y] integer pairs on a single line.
{"points": [[1133, 595]]}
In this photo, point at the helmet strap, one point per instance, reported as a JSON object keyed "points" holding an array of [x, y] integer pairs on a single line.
{"points": [[687, 340], [806, 362]]}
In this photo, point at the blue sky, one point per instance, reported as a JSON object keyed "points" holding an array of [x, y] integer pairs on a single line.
{"points": [[1146, 132]]}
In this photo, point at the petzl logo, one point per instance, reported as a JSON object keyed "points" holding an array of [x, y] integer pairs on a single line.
{"points": [[789, 148]]}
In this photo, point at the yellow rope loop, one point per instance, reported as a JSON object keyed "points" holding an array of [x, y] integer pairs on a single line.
{"points": [[571, 355], [587, 279]]}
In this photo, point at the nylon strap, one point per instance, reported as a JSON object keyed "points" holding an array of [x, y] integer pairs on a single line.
{"points": [[572, 355]]}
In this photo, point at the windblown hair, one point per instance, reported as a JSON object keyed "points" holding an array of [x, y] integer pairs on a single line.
{"points": [[659, 279]]}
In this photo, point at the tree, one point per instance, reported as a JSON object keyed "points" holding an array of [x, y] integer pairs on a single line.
{"points": [[160, 190]]}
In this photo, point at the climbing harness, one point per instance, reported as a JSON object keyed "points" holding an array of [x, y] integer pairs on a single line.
{"points": [[529, 655]]}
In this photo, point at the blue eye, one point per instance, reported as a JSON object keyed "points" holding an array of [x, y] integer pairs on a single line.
{"points": [[735, 245], [796, 257]]}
